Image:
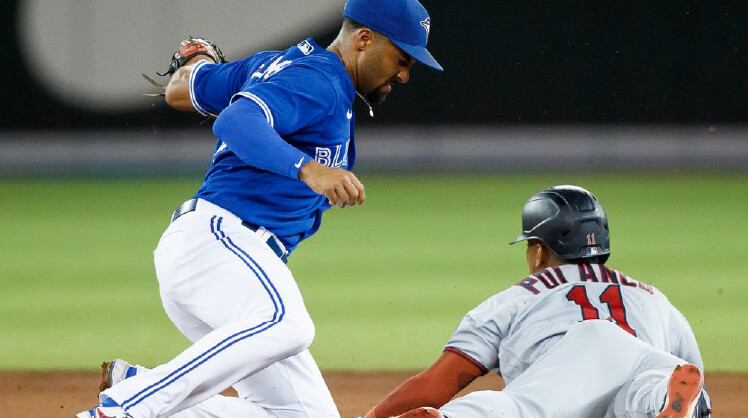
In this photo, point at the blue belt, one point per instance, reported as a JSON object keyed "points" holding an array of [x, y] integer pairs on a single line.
{"points": [[190, 205]]}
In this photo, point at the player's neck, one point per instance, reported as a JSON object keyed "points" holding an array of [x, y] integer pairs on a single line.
{"points": [[337, 48], [550, 262]]}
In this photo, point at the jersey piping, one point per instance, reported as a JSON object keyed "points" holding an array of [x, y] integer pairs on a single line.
{"points": [[261, 103], [191, 83]]}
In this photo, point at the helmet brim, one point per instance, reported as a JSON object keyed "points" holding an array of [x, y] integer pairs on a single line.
{"points": [[522, 237]]}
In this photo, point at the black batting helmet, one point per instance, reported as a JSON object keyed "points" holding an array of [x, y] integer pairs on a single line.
{"points": [[569, 220]]}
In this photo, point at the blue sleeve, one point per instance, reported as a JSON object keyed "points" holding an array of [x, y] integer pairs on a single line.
{"points": [[213, 85], [244, 129], [294, 98]]}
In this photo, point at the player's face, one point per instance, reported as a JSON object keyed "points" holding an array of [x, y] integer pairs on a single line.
{"points": [[380, 67]]}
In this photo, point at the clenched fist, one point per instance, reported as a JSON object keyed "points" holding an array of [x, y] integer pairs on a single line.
{"points": [[341, 187]]}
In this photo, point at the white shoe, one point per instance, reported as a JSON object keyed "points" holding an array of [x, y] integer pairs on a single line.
{"points": [[117, 370]]}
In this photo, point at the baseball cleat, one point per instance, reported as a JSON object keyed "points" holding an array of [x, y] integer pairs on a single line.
{"points": [[115, 371], [108, 408], [683, 391]]}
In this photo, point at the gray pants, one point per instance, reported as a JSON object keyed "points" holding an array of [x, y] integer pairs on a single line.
{"points": [[596, 370]]}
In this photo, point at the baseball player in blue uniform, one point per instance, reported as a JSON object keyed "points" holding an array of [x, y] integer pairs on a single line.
{"points": [[284, 155], [576, 338]]}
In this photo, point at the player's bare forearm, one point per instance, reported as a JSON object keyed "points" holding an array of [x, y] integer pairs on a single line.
{"points": [[178, 89], [420, 390], [433, 387]]}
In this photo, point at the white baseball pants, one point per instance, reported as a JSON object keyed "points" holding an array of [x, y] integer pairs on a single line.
{"points": [[596, 370], [231, 295]]}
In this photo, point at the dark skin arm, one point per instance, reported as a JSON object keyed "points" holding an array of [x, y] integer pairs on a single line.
{"points": [[433, 387], [178, 89]]}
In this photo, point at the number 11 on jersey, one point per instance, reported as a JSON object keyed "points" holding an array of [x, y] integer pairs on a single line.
{"points": [[611, 296]]}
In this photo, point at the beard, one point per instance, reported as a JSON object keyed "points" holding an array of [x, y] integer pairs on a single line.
{"points": [[376, 96]]}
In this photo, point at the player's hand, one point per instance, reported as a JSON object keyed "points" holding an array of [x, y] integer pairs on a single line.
{"points": [[189, 49], [182, 63], [341, 187]]}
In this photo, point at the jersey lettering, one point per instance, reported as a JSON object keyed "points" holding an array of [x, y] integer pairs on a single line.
{"points": [[553, 277], [546, 277], [607, 275], [586, 273], [324, 155], [611, 296], [218, 151], [647, 288], [337, 155], [578, 295], [626, 282], [560, 275], [274, 68], [345, 154], [529, 284]]}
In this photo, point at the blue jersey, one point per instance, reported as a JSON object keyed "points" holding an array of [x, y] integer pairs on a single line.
{"points": [[306, 96]]}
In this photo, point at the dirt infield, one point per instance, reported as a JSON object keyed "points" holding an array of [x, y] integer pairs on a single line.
{"points": [[62, 394]]}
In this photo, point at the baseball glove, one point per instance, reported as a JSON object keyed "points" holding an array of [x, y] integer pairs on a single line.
{"points": [[193, 47]]}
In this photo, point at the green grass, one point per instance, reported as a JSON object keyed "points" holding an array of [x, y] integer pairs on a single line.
{"points": [[386, 283]]}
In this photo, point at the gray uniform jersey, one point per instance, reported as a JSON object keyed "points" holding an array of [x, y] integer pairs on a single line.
{"points": [[512, 329]]}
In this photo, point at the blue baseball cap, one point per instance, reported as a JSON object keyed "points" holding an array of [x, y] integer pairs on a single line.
{"points": [[405, 22]]}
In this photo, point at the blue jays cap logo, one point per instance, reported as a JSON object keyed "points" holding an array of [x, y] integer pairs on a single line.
{"points": [[426, 23], [399, 20]]}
